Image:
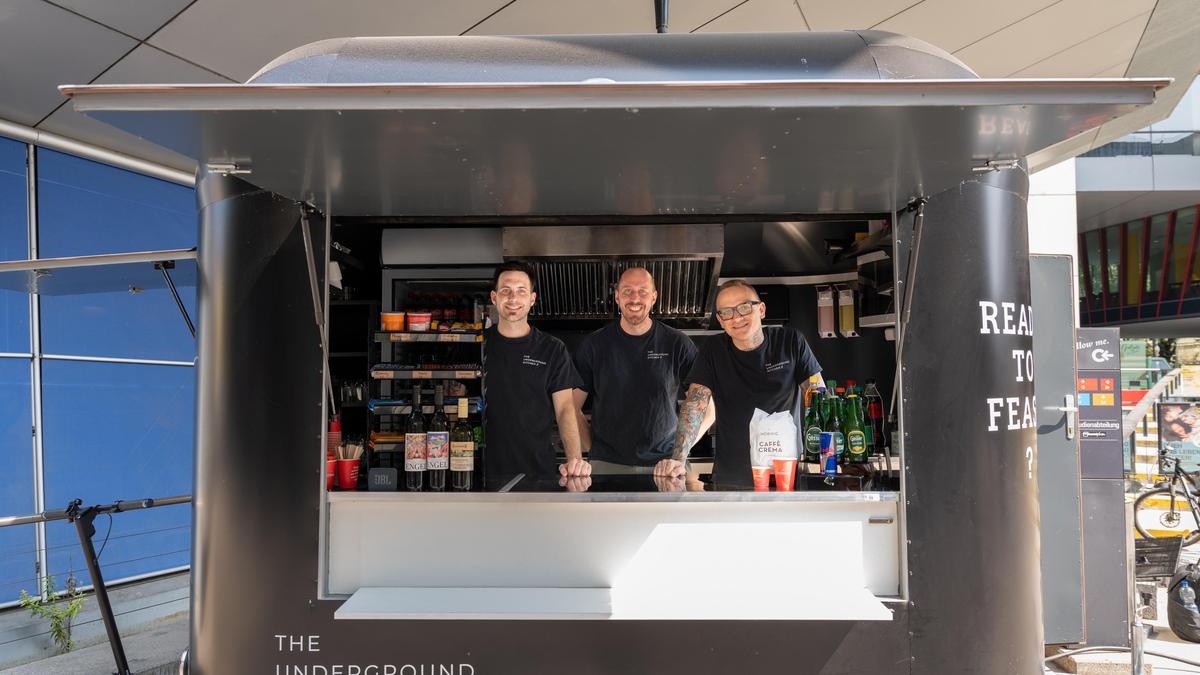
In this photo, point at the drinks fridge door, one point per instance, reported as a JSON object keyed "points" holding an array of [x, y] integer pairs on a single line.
{"points": [[1056, 457]]}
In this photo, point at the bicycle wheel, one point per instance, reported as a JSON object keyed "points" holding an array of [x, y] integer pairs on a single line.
{"points": [[1156, 515]]}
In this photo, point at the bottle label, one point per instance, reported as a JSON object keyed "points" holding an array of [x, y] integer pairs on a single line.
{"points": [[839, 440], [462, 456], [416, 454], [856, 443], [437, 446], [812, 440]]}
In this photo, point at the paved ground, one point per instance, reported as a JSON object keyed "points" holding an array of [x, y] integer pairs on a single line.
{"points": [[153, 651]]}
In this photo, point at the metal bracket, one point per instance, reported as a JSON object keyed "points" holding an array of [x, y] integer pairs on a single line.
{"points": [[228, 169], [996, 165], [163, 266]]}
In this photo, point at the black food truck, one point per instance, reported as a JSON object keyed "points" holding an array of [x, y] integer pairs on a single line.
{"points": [[870, 186]]}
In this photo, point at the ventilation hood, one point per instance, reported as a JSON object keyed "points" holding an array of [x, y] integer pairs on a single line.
{"points": [[576, 268]]}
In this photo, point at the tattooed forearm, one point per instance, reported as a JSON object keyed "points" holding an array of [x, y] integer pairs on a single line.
{"points": [[691, 420]]}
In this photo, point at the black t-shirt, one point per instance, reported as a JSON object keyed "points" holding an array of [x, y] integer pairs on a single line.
{"points": [[634, 382], [765, 377], [520, 374]]}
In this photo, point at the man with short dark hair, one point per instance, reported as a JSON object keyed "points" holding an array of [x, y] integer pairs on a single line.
{"points": [[528, 380], [743, 369], [632, 370]]}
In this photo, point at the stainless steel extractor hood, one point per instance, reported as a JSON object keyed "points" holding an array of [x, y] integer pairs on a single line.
{"points": [[576, 268]]}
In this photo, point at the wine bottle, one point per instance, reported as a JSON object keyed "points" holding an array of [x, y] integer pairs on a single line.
{"points": [[416, 453], [437, 442], [462, 449]]}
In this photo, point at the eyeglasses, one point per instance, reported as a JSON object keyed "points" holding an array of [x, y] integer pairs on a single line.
{"points": [[742, 309]]}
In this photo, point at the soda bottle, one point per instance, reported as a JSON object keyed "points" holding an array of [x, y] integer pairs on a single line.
{"points": [[813, 424], [856, 437], [874, 403], [416, 454], [437, 442]]}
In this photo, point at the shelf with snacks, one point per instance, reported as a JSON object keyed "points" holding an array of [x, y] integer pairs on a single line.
{"points": [[404, 407], [431, 336], [386, 371]]}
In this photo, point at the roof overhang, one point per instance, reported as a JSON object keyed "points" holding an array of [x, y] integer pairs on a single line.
{"points": [[609, 148]]}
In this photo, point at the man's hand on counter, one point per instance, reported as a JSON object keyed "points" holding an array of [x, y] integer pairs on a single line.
{"points": [[575, 483], [669, 468], [575, 467]]}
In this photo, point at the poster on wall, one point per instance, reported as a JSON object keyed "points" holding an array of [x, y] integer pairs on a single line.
{"points": [[1179, 434]]}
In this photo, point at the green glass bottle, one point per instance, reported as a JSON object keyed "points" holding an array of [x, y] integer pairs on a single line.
{"points": [[833, 424], [856, 436], [813, 425]]}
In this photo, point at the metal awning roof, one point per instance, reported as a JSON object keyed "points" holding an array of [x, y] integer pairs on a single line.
{"points": [[607, 148]]}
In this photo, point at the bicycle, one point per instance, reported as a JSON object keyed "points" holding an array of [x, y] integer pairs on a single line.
{"points": [[1163, 507]]}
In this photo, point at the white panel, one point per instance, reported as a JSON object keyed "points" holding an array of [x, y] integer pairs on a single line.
{"points": [[743, 569], [138, 18], [1054, 180], [842, 15], [1052, 226], [745, 573], [143, 65], [1115, 44], [954, 24], [760, 16], [557, 544], [41, 47], [251, 34], [1122, 174], [1176, 172], [555, 17], [1046, 33]]}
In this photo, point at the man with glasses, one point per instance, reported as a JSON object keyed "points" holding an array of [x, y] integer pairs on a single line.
{"points": [[744, 369], [527, 383], [632, 370]]}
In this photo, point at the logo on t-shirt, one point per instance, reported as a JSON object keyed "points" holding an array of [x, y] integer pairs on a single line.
{"points": [[651, 354], [528, 360], [772, 367]]}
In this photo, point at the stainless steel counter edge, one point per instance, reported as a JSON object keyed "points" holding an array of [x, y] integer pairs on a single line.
{"points": [[621, 497]]}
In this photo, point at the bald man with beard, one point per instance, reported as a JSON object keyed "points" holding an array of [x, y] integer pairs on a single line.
{"points": [[632, 369]]}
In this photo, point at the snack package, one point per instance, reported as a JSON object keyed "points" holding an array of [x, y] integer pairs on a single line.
{"points": [[772, 436]]}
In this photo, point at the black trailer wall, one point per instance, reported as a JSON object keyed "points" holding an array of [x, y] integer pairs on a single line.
{"points": [[971, 512], [970, 477]]}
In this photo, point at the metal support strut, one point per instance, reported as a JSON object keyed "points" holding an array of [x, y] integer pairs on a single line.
{"points": [[85, 528], [163, 267]]}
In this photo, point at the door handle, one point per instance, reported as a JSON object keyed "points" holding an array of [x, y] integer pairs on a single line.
{"points": [[1069, 408]]}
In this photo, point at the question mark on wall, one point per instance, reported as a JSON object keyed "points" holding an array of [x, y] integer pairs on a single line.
{"points": [[1029, 460]]}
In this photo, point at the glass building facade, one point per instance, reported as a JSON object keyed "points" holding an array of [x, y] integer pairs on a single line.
{"points": [[96, 389]]}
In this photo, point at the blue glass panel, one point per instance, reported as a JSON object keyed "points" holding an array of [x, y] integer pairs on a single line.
{"points": [[146, 325], [86, 208], [17, 544], [14, 243], [119, 431]]}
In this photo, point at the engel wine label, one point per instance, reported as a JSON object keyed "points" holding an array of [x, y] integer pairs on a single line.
{"points": [[462, 456], [437, 447], [415, 452]]}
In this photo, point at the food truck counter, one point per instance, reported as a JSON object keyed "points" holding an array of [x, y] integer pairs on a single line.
{"points": [[639, 487]]}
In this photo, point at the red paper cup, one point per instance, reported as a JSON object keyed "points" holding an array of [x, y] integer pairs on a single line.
{"points": [[330, 472], [347, 473], [762, 478], [785, 474]]}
